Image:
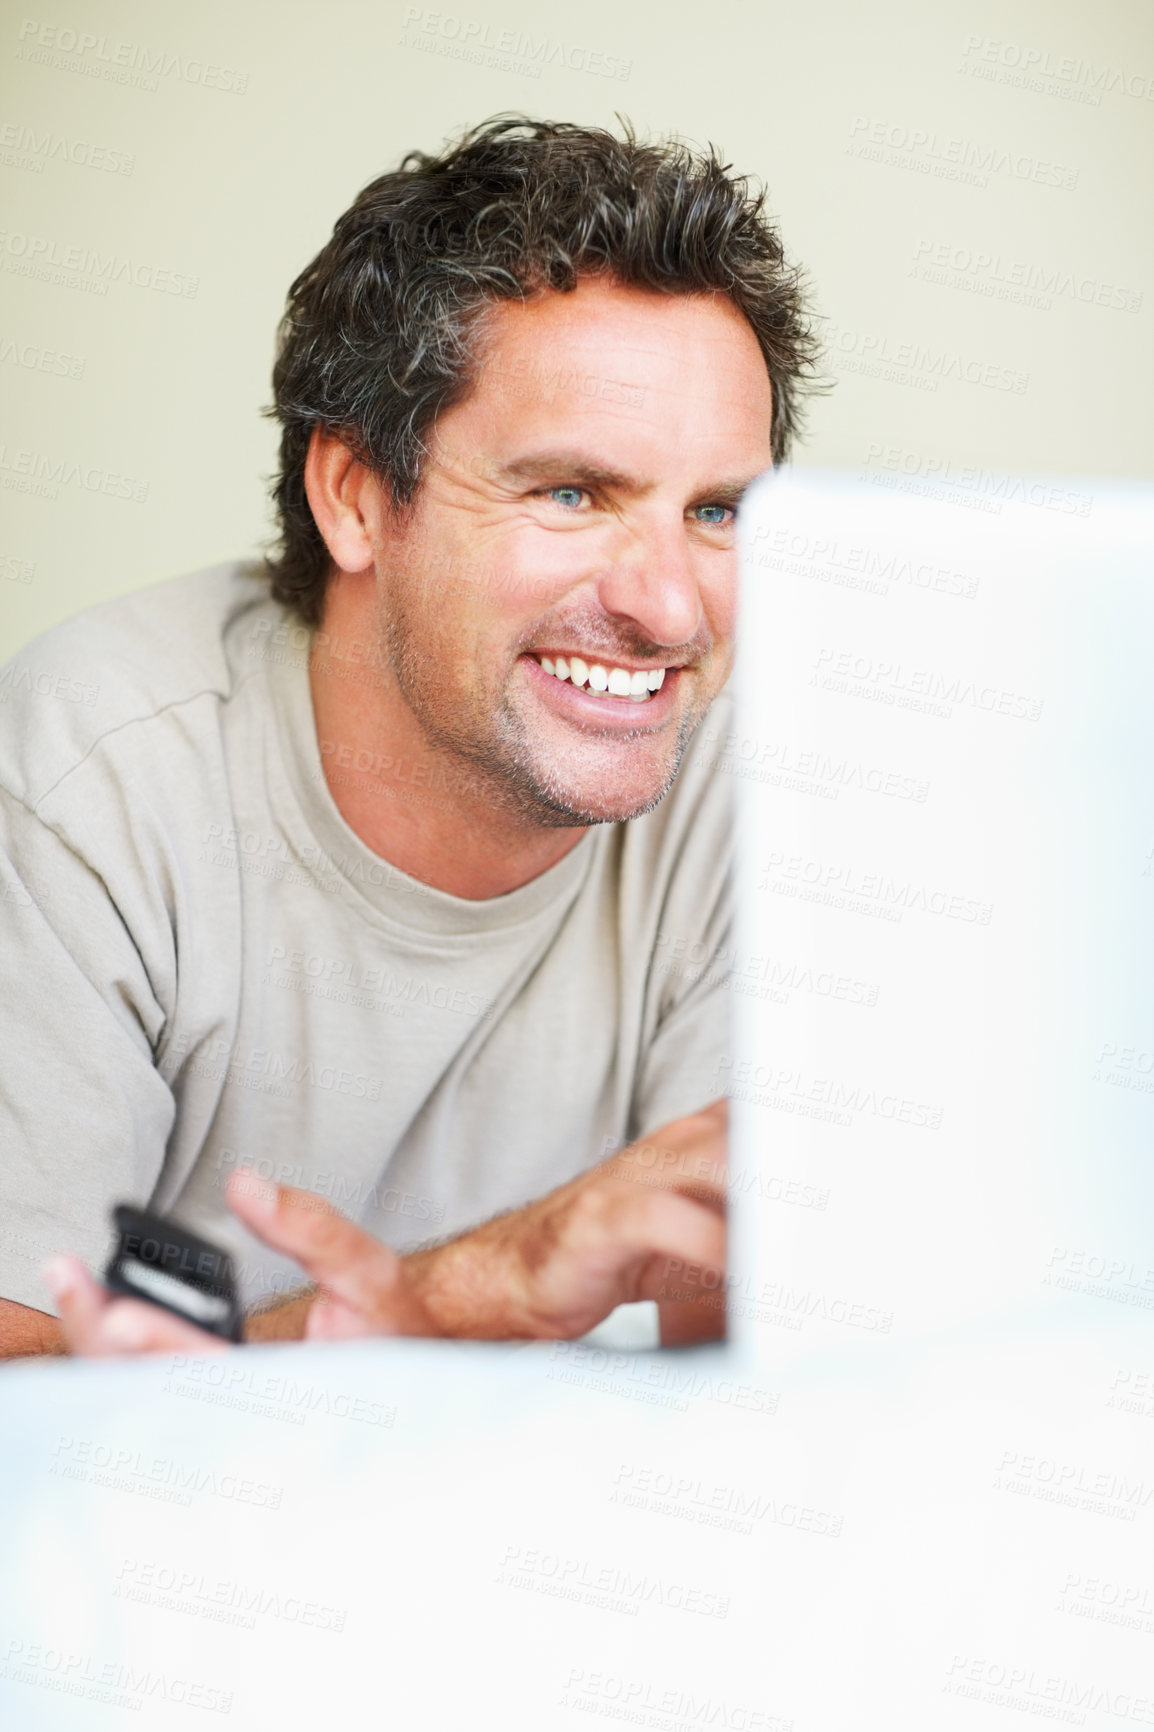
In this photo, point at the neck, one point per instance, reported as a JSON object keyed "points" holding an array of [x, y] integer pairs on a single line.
{"points": [[416, 805]]}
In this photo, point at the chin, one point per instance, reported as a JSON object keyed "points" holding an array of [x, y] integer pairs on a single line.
{"points": [[601, 805], [613, 790]]}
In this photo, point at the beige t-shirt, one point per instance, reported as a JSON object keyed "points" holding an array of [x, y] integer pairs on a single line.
{"points": [[203, 965]]}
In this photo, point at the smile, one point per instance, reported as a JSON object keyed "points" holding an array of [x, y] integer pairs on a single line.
{"points": [[600, 680]]}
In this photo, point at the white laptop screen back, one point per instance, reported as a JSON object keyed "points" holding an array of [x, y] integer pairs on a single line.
{"points": [[944, 1070]]}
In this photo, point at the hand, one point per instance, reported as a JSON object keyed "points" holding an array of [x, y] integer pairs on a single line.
{"points": [[361, 1284], [647, 1224], [96, 1323]]}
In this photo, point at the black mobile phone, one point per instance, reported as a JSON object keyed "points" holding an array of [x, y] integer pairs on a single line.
{"points": [[159, 1261]]}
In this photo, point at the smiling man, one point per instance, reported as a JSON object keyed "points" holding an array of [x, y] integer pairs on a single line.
{"points": [[384, 911]]}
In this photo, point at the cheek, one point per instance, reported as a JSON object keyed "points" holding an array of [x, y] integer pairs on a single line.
{"points": [[531, 568], [718, 578]]}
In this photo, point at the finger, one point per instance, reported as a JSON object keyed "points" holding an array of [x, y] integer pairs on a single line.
{"points": [[344, 1260], [687, 1155], [328, 1246], [614, 1242], [98, 1325], [671, 1230], [687, 1322], [606, 1240], [331, 1318], [134, 1326], [79, 1299]]}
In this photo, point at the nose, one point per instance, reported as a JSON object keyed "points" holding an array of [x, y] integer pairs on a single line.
{"points": [[652, 581]]}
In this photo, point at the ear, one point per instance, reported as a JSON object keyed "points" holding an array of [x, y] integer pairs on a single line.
{"points": [[344, 497]]}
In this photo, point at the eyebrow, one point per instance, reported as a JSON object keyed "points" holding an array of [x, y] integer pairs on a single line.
{"points": [[574, 467]]}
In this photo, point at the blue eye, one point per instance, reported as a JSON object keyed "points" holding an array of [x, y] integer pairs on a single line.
{"points": [[570, 497], [716, 513]]}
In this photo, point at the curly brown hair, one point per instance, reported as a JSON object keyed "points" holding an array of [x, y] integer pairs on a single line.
{"points": [[378, 333]]}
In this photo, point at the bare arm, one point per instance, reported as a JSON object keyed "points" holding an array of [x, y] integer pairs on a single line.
{"points": [[25, 1333], [284, 1320], [644, 1225], [648, 1224]]}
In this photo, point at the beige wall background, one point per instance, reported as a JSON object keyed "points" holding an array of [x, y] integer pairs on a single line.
{"points": [[969, 186]]}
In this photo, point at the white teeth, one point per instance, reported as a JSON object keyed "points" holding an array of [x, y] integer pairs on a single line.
{"points": [[638, 684]]}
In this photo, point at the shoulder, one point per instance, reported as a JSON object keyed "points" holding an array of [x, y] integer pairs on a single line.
{"points": [[124, 663]]}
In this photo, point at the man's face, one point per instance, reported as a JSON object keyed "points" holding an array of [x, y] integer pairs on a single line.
{"points": [[576, 511]]}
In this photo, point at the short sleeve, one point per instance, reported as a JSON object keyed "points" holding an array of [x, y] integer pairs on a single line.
{"points": [[84, 1114], [684, 1068]]}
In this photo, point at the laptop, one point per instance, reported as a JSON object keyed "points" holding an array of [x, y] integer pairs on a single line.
{"points": [[915, 1486]]}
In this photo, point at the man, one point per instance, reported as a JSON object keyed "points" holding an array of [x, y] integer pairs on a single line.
{"points": [[406, 881]]}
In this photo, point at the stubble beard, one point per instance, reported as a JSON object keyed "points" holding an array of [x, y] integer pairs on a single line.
{"points": [[496, 750]]}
